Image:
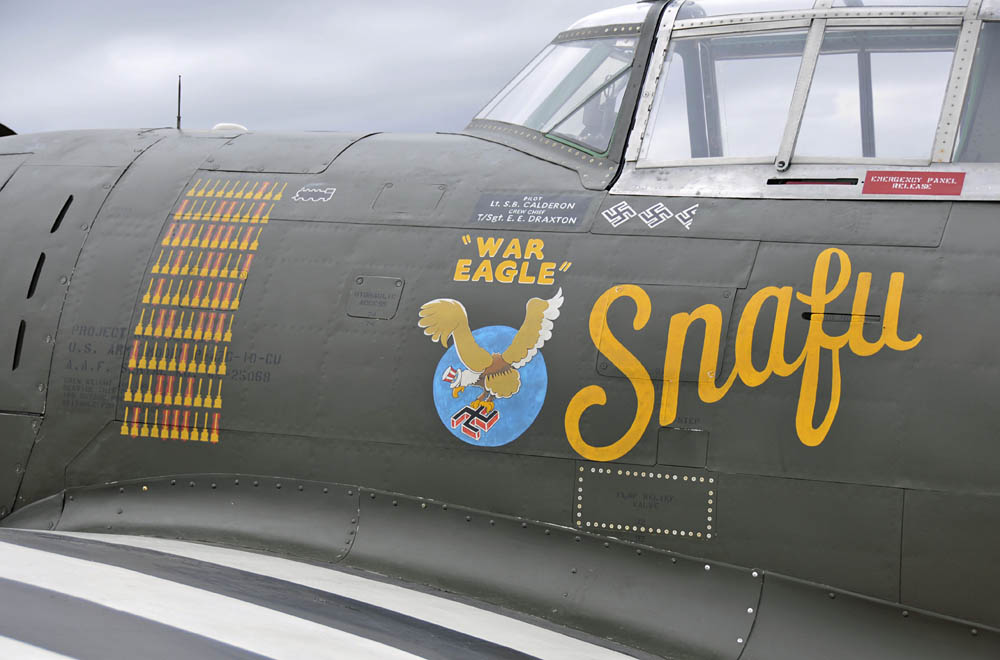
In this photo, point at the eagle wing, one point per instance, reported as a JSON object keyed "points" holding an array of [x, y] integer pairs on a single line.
{"points": [[444, 318], [535, 331]]}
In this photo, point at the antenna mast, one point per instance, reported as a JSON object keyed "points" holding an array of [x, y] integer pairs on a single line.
{"points": [[178, 102]]}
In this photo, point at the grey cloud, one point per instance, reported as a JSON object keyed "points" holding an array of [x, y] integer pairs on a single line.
{"points": [[356, 66]]}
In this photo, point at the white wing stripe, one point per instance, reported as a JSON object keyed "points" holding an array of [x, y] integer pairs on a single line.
{"points": [[483, 624], [235, 622]]}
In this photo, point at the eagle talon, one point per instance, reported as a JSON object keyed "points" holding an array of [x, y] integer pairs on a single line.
{"points": [[495, 373]]}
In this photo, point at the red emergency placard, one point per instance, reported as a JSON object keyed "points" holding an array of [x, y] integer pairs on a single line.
{"points": [[913, 183]]}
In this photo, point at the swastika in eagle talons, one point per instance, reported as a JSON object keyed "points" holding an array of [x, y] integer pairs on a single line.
{"points": [[473, 422]]}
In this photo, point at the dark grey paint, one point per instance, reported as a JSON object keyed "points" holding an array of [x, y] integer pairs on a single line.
{"points": [[81, 629], [800, 622], [17, 435], [965, 529], [240, 511], [308, 153], [34, 199], [683, 447]]}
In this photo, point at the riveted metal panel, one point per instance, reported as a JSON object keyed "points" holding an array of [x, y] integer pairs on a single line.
{"points": [[688, 263], [668, 605], [950, 120], [374, 297], [821, 10], [654, 71], [908, 433], [114, 148], [292, 153], [773, 523], [408, 197], [98, 315], [685, 447], [821, 182], [41, 514], [47, 213], [528, 486], [413, 180], [839, 534], [797, 620], [949, 552], [308, 519], [657, 501], [17, 435]]}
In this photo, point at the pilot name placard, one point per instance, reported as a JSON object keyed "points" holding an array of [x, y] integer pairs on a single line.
{"points": [[532, 209]]}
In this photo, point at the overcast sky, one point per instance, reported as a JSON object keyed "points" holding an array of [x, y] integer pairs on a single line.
{"points": [[312, 65]]}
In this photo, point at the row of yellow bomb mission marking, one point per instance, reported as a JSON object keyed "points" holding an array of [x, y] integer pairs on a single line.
{"points": [[183, 235], [189, 361], [179, 427], [709, 391], [212, 267], [169, 323], [161, 390], [224, 211], [238, 189], [226, 296]]}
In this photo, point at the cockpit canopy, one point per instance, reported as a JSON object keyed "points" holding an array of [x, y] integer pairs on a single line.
{"points": [[573, 89], [780, 82]]}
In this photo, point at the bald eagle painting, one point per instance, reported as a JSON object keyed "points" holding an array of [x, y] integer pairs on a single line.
{"points": [[495, 373]]}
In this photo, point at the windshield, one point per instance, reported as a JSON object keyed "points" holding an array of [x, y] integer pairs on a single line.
{"points": [[572, 90]]}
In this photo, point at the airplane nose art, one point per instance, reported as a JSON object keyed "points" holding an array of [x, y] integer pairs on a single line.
{"points": [[684, 347]]}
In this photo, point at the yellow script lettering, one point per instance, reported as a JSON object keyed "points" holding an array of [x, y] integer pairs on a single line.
{"points": [[524, 278], [488, 246], [506, 271], [462, 267], [630, 365], [513, 249], [547, 273], [809, 360], [484, 271], [534, 249]]}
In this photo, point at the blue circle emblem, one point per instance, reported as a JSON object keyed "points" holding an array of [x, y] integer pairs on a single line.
{"points": [[513, 416]]}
